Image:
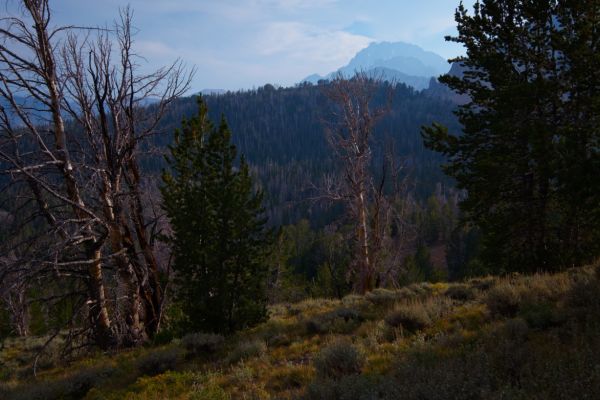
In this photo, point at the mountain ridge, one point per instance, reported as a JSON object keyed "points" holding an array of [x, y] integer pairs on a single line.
{"points": [[392, 61]]}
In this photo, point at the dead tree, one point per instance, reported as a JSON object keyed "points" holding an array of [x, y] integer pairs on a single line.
{"points": [[13, 290], [350, 136], [75, 144]]}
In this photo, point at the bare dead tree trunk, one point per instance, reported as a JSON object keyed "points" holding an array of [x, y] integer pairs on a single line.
{"points": [[84, 175], [97, 304], [13, 296], [350, 136], [366, 282]]}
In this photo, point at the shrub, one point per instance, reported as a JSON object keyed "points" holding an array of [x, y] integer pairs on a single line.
{"points": [[81, 382], [421, 290], [504, 300], [279, 340], [310, 306], [49, 355], [315, 326], [541, 315], [210, 392], [342, 320], [246, 350], [197, 344], [410, 316], [289, 377], [353, 300], [337, 360], [460, 292], [483, 284], [347, 314], [157, 362], [274, 332], [382, 297]]}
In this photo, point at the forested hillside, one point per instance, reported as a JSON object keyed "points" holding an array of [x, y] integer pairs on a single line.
{"points": [[281, 131]]}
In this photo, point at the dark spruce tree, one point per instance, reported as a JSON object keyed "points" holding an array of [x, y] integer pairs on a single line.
{"points": [[219, 239], [528, 156], [578, 50]]}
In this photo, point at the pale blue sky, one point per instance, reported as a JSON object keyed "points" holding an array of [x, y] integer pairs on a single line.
{"points": [[245, 43]]}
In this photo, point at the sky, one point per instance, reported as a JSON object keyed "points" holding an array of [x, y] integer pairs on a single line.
{"points": [[241, 44]]}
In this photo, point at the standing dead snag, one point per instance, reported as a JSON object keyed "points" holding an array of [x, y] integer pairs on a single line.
{"points": [[350, 137], [75, 152]]}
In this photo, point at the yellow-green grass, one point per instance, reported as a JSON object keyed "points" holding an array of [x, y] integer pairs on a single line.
{"points": [[481, 318]]}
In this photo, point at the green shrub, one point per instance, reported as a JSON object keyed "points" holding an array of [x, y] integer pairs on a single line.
{"points": [[246, 350], [343, 320], [81, 382], [338, 359], [382, 297], [197, 344], [421, 290], [210, 392], [410, 316], [460, 292], [158, 361], [503, 300]]}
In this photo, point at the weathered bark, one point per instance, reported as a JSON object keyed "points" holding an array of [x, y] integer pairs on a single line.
{"points": [[39, 12], [150, 288], [98, 314], [350, 138], [16, 303], [366, 270], [86, 182]]}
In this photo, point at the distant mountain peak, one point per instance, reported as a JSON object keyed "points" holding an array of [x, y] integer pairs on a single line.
{"points": [[382, 52], [399, 61]]}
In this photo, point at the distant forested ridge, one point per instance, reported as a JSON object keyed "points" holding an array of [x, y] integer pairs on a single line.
{"points": [[281, 131]]}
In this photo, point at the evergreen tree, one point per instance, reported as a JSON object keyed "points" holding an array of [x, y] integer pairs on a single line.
{"points": [[219, 241], [527, 168], [578, 51]]}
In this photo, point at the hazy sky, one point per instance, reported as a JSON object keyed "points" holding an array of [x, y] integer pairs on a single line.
{"points": [[244, 43]]}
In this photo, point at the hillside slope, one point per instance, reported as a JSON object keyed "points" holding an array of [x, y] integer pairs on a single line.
{"points": [[518, 337], [281, 131]]}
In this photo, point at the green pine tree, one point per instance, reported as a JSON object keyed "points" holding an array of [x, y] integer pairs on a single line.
{"points": [[528, 156], [219, 240]]}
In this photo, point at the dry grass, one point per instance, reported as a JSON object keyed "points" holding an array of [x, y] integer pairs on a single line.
{"points": [[430, 336]]}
